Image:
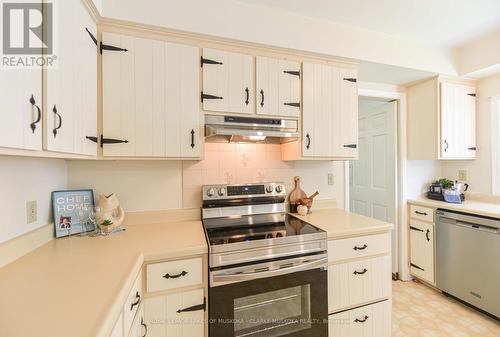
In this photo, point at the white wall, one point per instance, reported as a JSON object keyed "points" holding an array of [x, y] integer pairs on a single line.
{"points": [[479, 170], [237, 20], [27, 179], [140, 185]]}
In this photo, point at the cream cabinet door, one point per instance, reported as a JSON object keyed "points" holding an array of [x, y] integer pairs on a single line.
{"points": [[21, 109], [278, 87], [165, 316], [422, 250], [228, 81], [458, 121], [71, 109], [118, 328], [150, 99], [330, 114]]}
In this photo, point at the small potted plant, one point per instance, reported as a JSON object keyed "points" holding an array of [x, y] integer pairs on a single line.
{"points": [[106, 227]]}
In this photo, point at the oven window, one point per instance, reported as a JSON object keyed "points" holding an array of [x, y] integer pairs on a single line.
{"points": [[273, 313]]}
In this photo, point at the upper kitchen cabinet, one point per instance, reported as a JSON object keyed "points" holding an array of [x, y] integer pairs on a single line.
{"points": [[329, 115], [442, 120], [150, 98], [21, 109], [278, 87], [71, 105], [228, 81]]}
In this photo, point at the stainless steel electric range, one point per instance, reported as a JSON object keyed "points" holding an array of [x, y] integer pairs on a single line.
{"points": [[267, 269]]}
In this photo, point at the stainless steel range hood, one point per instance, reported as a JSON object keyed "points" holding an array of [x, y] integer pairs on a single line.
{"points": [[240, 129]]}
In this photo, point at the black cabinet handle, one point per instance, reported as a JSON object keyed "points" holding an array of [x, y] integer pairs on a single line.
{"points": [[292, 72], [362, 320], [183, 273], [207, 96], [138, 297], [195, 307], [360, 272], [446, 145], [192, 138], [466, 187], [308, 141], [111, 141], [145, 326], [103, 46], [351, 146], [416, 229], [415, 266], [472, 148], [262, 98], [420, 213], [427, 235], [91, 36], [350, 79], [360, 248], [296, 105], [208, 61], [54, 131], [247, 91], [39, 114]]}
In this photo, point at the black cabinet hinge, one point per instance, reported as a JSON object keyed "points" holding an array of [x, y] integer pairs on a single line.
{"points": [[415, 266], [195, 307], [93, 139], [111, 141], [416, 229], [472, 148], [91, 36], [292, 72], [296, 105], [351, 146], [208, 61], [473, 95], [103, 46], [350, 79], [207, 96]]}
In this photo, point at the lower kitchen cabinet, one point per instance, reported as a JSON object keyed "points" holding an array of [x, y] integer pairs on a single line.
{"points": [[358, 282], [422, 250], [368, 321], [139, 327], [176, 315]]}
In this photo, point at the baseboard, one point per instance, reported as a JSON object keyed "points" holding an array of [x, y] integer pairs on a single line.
{"points": [[24, 244]]}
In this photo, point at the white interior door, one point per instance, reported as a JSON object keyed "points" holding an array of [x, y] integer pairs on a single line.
{"points": [[373, 176]]}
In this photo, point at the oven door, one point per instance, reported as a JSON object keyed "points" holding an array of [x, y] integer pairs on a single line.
{"points": [[287, 304]]}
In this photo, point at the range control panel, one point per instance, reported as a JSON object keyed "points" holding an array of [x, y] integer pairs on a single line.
{"points": [[215, 192]]}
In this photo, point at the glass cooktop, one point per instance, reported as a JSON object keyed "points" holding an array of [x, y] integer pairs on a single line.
{"points": [[256, 227]]}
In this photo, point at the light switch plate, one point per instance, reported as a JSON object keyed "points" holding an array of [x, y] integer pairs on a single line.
{"points": [[31, 211], [462, 175], [330, 179]]}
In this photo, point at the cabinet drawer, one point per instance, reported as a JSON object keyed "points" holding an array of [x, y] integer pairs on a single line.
{"points": [[421, 213], [174, 274], [132, 304], [368, 321], [358, 282], [361, 246]]}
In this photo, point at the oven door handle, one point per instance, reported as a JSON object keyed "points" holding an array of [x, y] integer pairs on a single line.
{"points": [[267, 273]]}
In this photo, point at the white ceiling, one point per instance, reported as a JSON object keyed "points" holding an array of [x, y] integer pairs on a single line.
{"points": [[444, 23]]}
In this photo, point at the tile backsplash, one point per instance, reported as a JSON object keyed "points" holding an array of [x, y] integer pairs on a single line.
{"points": [[249, 163]]}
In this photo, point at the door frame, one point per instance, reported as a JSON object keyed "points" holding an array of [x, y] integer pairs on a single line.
{"points": [[400, 229]]}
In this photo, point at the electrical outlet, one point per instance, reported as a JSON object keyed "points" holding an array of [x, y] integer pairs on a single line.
{"points": [[330, 179], [462, 175], [31, 211]]}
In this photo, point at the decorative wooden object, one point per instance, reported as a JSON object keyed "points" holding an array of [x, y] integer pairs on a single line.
{"points": [[295, 195], [308, 201]]}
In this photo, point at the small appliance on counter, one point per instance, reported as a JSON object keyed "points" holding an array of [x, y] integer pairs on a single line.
{"points": [[448, 191]]}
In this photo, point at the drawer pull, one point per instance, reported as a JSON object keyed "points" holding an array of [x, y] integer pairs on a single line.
{"points": [[138, 297], [195, 307], [183, 273], [360, 248], [362, 320], [421, 213], [360, 272], [145, 326]]}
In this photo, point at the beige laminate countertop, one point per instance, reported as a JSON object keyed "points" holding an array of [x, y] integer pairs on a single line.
{"points": [[339, 223], [74, 287], [471, 206]]}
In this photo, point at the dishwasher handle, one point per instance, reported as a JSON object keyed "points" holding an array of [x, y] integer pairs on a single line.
{"points": [[474, 226]]}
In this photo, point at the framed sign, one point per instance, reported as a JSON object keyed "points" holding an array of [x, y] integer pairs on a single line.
{"points": [[67, 207]]}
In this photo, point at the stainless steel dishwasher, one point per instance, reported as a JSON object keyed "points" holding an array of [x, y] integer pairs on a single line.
{"points": [[468, 259]]}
